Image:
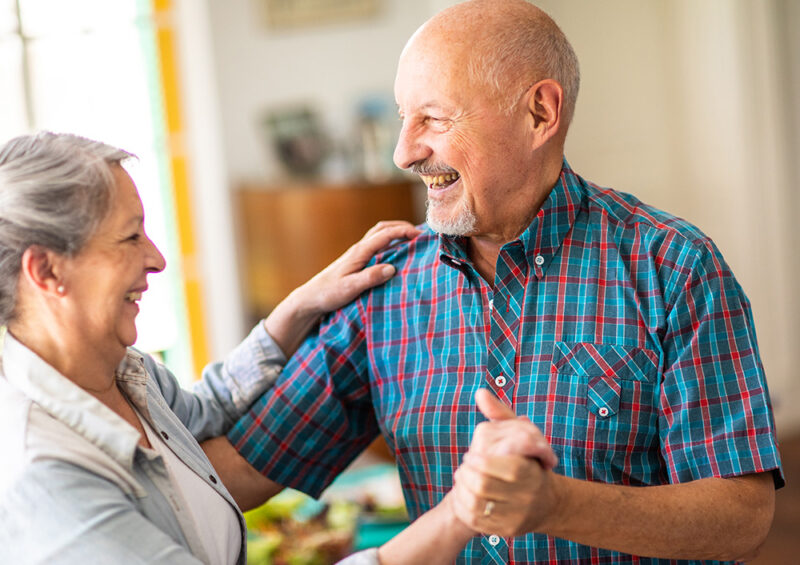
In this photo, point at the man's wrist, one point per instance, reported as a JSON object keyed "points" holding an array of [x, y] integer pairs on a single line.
{"points": [[557, 506]]}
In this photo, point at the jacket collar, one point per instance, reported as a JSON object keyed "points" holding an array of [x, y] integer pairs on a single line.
{"points": [[68, 403]]}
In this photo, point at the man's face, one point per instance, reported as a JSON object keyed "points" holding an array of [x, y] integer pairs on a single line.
{"points": [[470, 155]]}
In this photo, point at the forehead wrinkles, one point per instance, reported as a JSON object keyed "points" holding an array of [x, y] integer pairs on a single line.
{"points": [[432, 78]]}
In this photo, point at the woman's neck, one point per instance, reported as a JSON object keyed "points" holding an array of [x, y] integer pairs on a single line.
{"points": [[75, 359], [83, 366]]}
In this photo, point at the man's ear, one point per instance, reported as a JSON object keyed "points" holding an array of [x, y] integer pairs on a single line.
{"points": [[545, 103], [41, 269]]}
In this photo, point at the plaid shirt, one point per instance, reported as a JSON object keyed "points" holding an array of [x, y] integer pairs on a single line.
{"points": [[617, 329]]}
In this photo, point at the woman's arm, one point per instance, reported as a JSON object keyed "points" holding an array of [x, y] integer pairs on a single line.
{"points": [[436, 537]]}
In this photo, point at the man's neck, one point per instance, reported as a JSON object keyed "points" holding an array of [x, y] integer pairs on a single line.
{"points": [[484, 249], [483, 253]]}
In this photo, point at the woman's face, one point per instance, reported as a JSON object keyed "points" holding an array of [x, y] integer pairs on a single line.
{"points": [[104, 282]]}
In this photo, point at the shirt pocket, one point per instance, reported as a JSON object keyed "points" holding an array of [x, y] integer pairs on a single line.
{"points": [[606, 366], [611, 429]]}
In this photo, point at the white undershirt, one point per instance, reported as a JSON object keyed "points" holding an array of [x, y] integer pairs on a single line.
{"points": [[216, 521]]}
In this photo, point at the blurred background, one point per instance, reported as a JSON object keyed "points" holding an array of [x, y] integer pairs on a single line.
{"points": [[264, 131]]}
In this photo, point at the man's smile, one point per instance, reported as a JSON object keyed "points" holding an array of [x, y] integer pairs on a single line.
{"points": [[435, 182]]}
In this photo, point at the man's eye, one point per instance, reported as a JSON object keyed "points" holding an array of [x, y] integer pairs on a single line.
{"points": [[135, 237], [438, 124]]}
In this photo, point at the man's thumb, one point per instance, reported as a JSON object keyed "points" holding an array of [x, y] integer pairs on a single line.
{"points": [[492, 407]]}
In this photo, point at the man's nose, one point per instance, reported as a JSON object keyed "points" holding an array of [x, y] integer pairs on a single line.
{"points": [[409, 149]]}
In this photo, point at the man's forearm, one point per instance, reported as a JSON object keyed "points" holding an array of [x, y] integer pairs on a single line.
{"points": [[722, 519]]}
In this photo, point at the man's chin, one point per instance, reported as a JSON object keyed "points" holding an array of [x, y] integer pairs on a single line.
{"points": [[463, 225]]}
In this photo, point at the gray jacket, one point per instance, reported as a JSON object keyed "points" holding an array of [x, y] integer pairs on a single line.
{"points": [[75, 487]]}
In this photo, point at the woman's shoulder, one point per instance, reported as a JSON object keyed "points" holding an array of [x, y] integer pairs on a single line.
{"points": [[48, 511], [14, 409], [32, 440]]}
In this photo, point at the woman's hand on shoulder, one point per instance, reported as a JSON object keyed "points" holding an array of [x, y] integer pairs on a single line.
{"points": [[338, 284], [347, 277]]}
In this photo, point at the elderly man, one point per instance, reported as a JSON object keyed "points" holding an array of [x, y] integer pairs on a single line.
{"points": [[617, 329]]}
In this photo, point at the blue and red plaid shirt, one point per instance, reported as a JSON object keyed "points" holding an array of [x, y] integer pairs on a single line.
{"points": [[616, 328]]}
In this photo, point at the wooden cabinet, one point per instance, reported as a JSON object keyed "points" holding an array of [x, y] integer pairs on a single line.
{"points": [[286, 235]]}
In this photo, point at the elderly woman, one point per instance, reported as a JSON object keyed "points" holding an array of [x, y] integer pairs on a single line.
{"points": [[100, 456]]}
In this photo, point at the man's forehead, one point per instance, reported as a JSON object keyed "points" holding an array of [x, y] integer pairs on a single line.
{"points": [[438, 87]]}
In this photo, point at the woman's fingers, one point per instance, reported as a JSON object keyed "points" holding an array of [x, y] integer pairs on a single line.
{"points": [[376, 239]]}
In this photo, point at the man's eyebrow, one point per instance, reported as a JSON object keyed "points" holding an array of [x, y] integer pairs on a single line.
{"points": [[426, 107]]}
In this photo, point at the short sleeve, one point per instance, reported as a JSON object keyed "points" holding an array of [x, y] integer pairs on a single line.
{"points": [[716, 416], [319, 416]]}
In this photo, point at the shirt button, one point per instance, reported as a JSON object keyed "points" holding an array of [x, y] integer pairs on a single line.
{"points": [[500, 381], [603, 411], [539, 260], [212, 478], [494, 539], [491, 303], [164, 435]]}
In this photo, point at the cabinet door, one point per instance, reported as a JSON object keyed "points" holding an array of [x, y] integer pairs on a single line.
{"points": [[288, 235]]}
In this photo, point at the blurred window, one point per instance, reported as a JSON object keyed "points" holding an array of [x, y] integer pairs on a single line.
{"points": [[90, 67]]}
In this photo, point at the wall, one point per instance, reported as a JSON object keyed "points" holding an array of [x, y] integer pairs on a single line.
{"points": [[693, 106], [328, 66]]}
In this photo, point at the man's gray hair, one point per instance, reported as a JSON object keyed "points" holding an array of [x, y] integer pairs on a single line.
{"points": [[54, 191], [518, 56]]}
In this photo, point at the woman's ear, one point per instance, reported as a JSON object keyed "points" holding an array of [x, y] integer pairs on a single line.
{"points": [[41, 268], [545, 103]]}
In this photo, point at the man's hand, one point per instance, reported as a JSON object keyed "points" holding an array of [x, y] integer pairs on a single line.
{"points": [[504, 484], [707, 519], [507, 434]]}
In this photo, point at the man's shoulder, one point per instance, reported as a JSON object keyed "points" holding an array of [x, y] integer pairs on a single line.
{"points": [[411, 253], [627, 215]]}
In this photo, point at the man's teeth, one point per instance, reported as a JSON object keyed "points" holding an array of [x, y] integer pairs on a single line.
{"points": [[133, 296], [439, 180]]}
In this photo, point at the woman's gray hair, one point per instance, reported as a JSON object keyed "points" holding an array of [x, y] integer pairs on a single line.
{"points": [[54, 191]]}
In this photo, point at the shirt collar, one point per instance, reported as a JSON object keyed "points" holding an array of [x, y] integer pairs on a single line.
{"points": [[68, 403], [544, 236]]}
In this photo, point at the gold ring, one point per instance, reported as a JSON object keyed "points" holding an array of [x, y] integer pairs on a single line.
{"points": [[487, 510]]}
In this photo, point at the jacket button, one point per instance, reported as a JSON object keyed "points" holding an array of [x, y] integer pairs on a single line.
{"points": [[212, 478], [164, 435]]}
